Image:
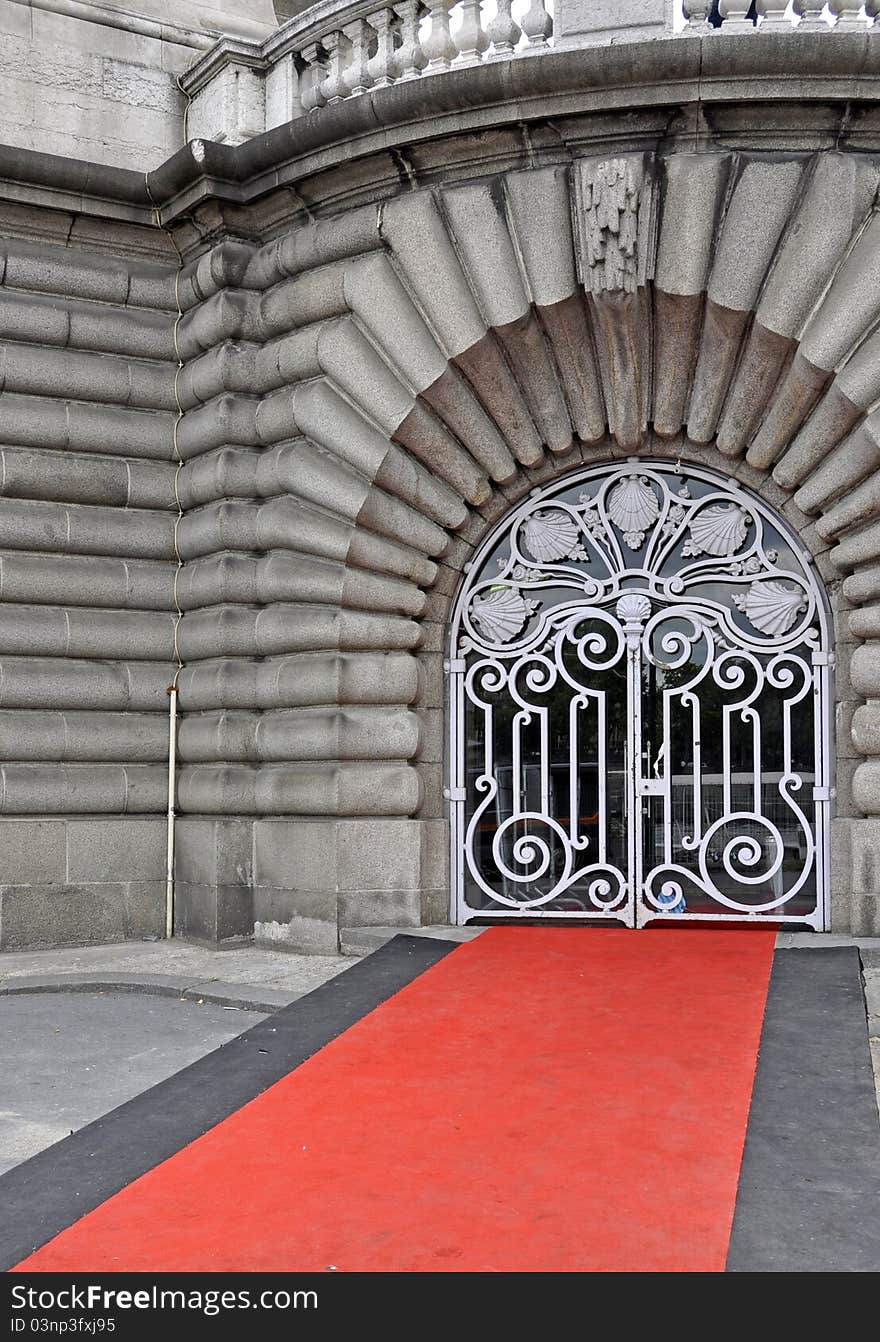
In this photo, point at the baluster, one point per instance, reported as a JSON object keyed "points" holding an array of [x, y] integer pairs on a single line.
{"points": [[697, 14], [734, 16], [381, 67], [411, 60], [470, 39], [774, 18], [438, 46], [333, 87], [313, 75], [849, 16], [357, 78], [503, 32], [811, 16], [537, 24]]}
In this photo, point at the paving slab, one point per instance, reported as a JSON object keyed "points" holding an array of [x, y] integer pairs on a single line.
{"points": [[64, 1065]]}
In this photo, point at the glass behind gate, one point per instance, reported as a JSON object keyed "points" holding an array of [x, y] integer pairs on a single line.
{"points": [[640, 678]]}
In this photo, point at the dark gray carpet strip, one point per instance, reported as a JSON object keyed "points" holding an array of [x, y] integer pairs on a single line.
{"points": [[809, 1189]]}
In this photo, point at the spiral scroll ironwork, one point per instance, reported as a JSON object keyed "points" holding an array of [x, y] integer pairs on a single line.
{"points": [[640, 672]]}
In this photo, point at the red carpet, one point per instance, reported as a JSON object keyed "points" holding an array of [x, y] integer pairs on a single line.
{"points": [[543, 1099]]}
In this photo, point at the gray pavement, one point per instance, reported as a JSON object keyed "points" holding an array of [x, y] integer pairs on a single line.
{"points": [[247, 977], [66, 1061], [84, 1029]]}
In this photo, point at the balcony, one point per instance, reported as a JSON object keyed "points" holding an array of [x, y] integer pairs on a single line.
{"points": [[333, 51]]}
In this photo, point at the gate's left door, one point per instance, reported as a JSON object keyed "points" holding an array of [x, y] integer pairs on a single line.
{"points": [[545, 777]]}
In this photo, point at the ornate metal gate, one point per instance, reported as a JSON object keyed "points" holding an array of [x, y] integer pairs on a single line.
{"points": [[640, 680]]}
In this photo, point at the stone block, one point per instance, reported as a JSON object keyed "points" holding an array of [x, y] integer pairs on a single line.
{"points": [[855, 877], [842, 875], [843, 686], [435, 908], [434, 633], [865, 916], [844, 805], [694, 186], [380, 908], [431, 782], [38, 916], [213, 914], [843, 729], [602, 20], [34, 852], [296, 920], [62, 30], [295, 855], [15, 21], [143, 910], [16, 101], [432, 747], [378, 855], [139, 87], [864, 845], [435, 841], [116, 850], [476, 215], [434, 684], [214, 852], [437, 608]]}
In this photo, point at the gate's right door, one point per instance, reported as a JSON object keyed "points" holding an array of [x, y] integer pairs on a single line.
{"points": [[732, 783]]}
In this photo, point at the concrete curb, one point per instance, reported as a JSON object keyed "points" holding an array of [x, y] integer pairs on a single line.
{"points": [[244, 997], [357, 942]]}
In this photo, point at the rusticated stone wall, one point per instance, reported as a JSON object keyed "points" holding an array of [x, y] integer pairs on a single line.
{"points": [[87, 519], [274, 460]]}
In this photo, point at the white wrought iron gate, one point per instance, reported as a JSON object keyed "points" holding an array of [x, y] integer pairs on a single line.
{"points": [[640, 681]]}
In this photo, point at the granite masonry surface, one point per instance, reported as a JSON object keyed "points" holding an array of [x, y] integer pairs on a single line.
{"points": [[260, 402]]}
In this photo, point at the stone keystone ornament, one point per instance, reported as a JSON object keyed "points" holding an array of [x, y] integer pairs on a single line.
{"points": [[613, 223], [614, 215], [611, 216]]}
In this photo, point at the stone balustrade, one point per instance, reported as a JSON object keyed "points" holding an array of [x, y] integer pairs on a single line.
{"points": [[333, 51]]}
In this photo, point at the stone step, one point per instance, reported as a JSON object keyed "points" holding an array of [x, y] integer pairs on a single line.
{"points": [[356, 941]]}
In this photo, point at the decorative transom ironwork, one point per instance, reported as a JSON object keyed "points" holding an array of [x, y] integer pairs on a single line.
{"points": [[640, 671]]}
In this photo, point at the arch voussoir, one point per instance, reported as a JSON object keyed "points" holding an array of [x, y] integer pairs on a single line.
{"points": [[421, 366]]}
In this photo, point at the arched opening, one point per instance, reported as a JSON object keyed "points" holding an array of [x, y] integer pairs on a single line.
{"points": [[640, 708]]}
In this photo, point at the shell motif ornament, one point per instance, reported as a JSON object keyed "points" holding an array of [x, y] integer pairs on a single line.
{"points": [[501, 614], [771, 607], [633, 608], [717, 531], [633, 507], [550, 535]]}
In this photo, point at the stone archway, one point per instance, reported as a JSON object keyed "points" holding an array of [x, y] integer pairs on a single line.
{"points": [[413, 369]]}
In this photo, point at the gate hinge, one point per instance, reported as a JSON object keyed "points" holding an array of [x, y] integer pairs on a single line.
{"points": [[821, 793], [824, 659], [455, 793], [455, 667]]}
